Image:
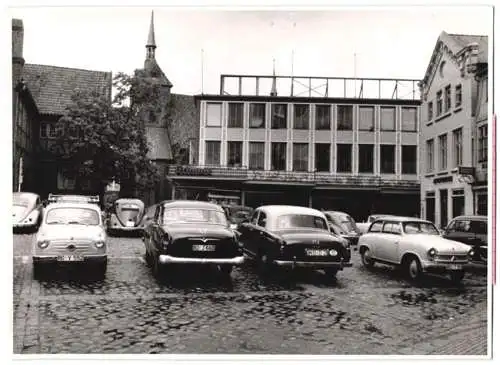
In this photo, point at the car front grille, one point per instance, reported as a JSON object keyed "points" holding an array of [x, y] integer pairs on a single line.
{"points": [[451, 258], [71, 247]]}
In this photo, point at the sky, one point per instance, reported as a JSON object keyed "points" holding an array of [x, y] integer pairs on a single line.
{"points": [[388, 43]]}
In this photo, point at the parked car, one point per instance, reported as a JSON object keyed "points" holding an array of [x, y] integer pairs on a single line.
{"points": [[415, 245], [363, 227], [26, 211], [71, 233], [237, 214], [343, 225], [473, 231], [67, 198], [293, 236], [190, 232], [126, 215]]}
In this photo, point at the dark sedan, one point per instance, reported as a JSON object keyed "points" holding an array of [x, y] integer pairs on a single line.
{"points": [[280, 235], [190, 232], [342, 224], [473, 231]]}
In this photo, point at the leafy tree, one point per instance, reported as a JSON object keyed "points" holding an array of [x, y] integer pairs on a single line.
{"points": [[102, 141]]}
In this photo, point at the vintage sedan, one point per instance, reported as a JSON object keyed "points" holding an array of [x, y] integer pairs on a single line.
{"points": [[237, 214], [126, 215], [71, 233], [363, 226], [292, 236], [473, 231], [415, 245], [190, 232], [343, 225], [26, 211]]}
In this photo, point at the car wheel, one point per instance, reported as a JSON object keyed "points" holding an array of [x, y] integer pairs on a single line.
{"points": [[225, 269], [414, 269], [264, 263], [39, 270], [457, 276], [365, 258]]}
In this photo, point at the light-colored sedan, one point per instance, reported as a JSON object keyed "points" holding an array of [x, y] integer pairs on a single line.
{"points": [[415, 245], [363, 226], [71, 233]]}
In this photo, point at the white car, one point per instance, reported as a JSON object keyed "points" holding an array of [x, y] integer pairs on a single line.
{"points": [[71, 233], [363, 226], [415, 245]]}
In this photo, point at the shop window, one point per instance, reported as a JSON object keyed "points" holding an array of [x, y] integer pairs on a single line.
{"points": [[279, 114]]}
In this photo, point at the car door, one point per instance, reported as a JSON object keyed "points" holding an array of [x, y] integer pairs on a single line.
{"points": [[260, 241], [247, 231], [387, 249], [375, 237]]}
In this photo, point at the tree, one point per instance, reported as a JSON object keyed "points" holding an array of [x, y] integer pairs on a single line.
{"points": [[103, 141]]}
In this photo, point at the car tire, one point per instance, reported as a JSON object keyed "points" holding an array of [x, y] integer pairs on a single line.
{"points": [[39, 270], [413, 268], [367, 262], [457, 276]]}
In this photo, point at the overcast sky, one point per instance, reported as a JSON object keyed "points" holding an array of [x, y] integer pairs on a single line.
{"points": [[388, 43]]}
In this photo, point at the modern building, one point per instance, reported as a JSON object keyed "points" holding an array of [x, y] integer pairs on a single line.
{"points": [[453, 142], [335, 143]]}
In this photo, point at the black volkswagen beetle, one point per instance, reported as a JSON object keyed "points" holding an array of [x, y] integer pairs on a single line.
{"points": [[281, 235], [190, 232]]}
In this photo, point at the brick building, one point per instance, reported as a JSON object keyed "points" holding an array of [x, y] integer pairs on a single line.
{"points": [[454, 113]]}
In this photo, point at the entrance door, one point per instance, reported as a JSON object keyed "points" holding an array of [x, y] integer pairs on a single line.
{"points": [[443, 198]]}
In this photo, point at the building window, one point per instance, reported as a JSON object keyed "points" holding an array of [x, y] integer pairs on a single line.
{"points": [[322, 157], [344, 158], [301, 116], [430, 155], [279, 113], [214, 114], [278, 156], [344, 117], [443, 152], [300, 156], [47, 130], [234, 153], [323, 117], [256, 156], [235, 115], [387, 159], [483, 143], [212, 153], [388, 119], [409, 159], [482, 204], [439, 103], [409, 119], [458, 96], [457, 146], [257, 115], [366, 158], [430, 109], [366, 118], [430, 206], [458, 202], [447, 98]]}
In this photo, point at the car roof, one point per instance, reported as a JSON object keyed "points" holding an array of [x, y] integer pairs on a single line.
{"points": [[74, 205], [401, 219], [336, 212], [472, 217], [281, 209], [191, 204], [129, 200], [25, 196]]}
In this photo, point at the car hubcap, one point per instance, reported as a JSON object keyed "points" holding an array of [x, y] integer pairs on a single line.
{"points": [[413, 269], [366, 260]]}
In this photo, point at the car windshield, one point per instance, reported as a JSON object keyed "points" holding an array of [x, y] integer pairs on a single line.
{"points": [[72, 216], [420, 228], [300, 221], [347, 223], [194, 215], [479, 227]]}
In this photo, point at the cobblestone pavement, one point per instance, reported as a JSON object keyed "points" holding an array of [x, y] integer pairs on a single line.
{"points": [[361, 312]]}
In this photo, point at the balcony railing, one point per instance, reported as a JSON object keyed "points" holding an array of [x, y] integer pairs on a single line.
{"points": [[314, 178], [320, 87]]}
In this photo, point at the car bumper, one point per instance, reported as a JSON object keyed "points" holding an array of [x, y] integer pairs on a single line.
{"points": [[167, 259], [317, 265], [54, 259], [21, 225], [433, 267]]}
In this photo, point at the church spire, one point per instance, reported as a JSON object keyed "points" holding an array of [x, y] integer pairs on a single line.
{"points": [[151, 44], [274, 92]]}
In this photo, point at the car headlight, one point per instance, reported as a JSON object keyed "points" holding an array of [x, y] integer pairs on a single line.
{"points": [[43, 243], [99, 244], [432, 252], [471, 253]]}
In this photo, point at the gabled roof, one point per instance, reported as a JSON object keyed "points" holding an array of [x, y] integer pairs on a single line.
{"points": [[159, 143], [463, 40], [154, 70], [53, 86]]}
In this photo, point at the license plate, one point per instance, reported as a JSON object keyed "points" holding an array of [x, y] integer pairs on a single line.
{"points": [[455, 267], [70, 258], [310, 252], [203, 248], [130, 224]]}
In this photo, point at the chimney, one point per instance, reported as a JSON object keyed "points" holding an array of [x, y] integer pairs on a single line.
{"points": [[17, 51]]}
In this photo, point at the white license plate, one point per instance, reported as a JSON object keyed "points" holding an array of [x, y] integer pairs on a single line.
{"points": [[70, 258], [203, 248], [455, 267], [310, 252], [130, 224]]}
